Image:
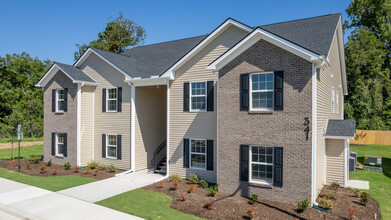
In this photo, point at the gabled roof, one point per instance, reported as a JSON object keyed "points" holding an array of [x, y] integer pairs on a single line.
{"points": [[74, 73], [341, 129]]}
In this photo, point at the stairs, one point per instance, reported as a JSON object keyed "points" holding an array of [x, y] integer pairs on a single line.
{"points": [[162, 168], [159, 159]]}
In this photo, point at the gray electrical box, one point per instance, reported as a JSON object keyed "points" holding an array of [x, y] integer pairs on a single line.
{"points": [[354, 155], [352, 164], [373, 163]]}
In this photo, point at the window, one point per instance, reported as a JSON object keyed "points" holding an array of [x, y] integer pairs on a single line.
{"points": [[60, 100], [337, 103], [262, 91], [198, 154], [332, 100], [198, 96], [111, 100], [60, 149], [111, 146], [261, 164]]}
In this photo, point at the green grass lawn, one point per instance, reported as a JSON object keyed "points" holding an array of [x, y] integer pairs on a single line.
{"points": [[9, 140], [145, 204], [25, 152], [379, 183]]}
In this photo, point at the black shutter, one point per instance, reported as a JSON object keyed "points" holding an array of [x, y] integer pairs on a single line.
{"points": [[186, 92], [53, 100], [103, 100], [186, 153], [209, 146], [244, 154], [244, 92], [119, 147], [210, 98], [119, 102], [278, 90], [65, 145], [65, 99], [104, 145], [278, 161], [53, 144]]}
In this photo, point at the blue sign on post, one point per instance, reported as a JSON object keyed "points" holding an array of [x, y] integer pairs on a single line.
{"points": [[19, 132]]}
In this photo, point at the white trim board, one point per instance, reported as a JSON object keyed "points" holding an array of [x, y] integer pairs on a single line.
{"points": [[339, 137]]}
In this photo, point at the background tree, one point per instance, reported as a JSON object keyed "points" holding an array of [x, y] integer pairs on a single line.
{"points": [[368, 54], [119, 34]]}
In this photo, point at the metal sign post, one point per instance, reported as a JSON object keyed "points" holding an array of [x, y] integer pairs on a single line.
{"points": [[19, 148]]}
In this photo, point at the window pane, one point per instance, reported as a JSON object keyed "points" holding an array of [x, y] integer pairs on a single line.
{"points": [[198, 146], [60, 138], [60, 149], [60, 94], [112, 140], [269, 159], [60, 105], [111, 151], [112, 105], [262, 172], [198, 161], [112, 93], [198, 103], [198, 88], [262, 99]]}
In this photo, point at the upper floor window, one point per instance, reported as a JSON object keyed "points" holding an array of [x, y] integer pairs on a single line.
{"points": [[111, 100], [198, 96], [60, 100], [198, 154], [337, 102], [332, 100], [111, 146], [262, 91], [60, 149]]}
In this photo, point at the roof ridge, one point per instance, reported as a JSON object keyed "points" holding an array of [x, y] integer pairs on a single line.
{"points": [[297, 20], [110, 52]]}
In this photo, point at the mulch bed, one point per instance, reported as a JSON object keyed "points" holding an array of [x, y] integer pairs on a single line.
{"points": [[359, 145], [235, 207], [34, 170]]}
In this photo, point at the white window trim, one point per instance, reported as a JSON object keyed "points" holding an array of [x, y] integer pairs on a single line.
{"points": [[265, 90], [57, 143], [332, 100], [190, 153], [251, 180], [337, 102], [107, 146], [57, 100], [190, 95], [107, 100]]}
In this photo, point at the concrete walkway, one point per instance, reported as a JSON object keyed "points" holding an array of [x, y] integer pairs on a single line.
{"points": [[358, 184], [21, 201], [99, 190]]}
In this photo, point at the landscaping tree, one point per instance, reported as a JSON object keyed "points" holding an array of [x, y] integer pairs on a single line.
{"points": [[368, 56], [119, 34]]}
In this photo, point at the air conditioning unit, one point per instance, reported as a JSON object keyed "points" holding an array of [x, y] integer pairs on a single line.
{"points": [[352, 164], [373, 163], [354, 155]]}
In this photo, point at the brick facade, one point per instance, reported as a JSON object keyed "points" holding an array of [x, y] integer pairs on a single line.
{"points": [[277, 128], [65, 122]]}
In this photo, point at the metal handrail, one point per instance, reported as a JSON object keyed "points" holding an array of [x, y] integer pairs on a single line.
{"points": [[156, 152]]}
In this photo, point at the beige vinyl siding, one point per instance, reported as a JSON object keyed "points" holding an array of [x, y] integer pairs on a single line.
{"points": [[86, 121], [150, 123], [196, 124], [326, 79], [335, 161], [109, 122]]}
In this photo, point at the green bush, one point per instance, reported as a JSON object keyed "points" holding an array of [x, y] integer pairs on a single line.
{"points": [[303, 205], [328, 193], [356, 193], [334, 186], [112, 168], [213, 189], [102, 167], [194, 179], [49, 163], [35, 159], [176, 177], [67, 166], [364, 196], [93, 165], [254, 198], [326, 203], [204, 184]]}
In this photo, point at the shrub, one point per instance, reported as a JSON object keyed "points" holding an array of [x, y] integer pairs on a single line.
{"points": [[76, 169], [183, 196], [204, 184], [54, 172], [191, 188], [67, 166], [356, 193], [194, 179], [177, 177], [334, 186], [112, 168], [325, 203], [161, 184], [49, 163], [328, 193], [364, 195], [14, 163], [34, 159], [174, 184], [303, 205], [352, 213], [254, 198], [95, 172], [28, 167], [42, 168], [93, 164], [102, 167], [210, 205], [88, 171], [213, 190], [250, 213]]}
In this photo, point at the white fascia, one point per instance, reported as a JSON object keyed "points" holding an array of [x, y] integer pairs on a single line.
{"points": [[254, 37], [224, 26], [339, 137], [153, 81]]}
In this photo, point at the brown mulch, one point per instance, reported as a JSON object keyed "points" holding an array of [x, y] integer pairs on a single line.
{"points": [[22, 144], [34, 170], [235, 207]]}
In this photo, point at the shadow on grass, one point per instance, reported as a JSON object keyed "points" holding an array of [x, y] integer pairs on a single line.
{"points": [[386, 165]]}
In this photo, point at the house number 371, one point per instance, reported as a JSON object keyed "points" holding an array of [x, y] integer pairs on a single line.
{"points": [[307, 127]]}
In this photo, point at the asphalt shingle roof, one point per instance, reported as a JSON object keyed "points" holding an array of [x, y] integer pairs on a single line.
{"points": [[346, 128], [75, 73]]}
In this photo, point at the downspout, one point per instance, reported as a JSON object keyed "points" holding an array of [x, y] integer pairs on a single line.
{"points": [[314, 126], [78, 135]]}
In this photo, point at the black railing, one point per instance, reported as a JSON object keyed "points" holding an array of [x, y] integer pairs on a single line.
{"points": [[156, 153]]}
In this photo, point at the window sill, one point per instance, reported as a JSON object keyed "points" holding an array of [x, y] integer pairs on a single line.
{"points": [[258, 184], [111, 158], [260, 112], [59, 157], [194, 168], [58, 113]]}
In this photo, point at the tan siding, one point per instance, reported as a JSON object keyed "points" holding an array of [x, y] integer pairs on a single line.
{"points": [[150, 123], [335, 161], [86, 121], [109, 122], [328, 78], [192, 124]]}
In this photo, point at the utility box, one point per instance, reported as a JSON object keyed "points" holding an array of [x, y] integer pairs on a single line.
{"points": [[373, 163], [352, 164], [353, 155]]}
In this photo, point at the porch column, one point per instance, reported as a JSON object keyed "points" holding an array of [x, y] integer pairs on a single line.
{"points": [[132, 133]]}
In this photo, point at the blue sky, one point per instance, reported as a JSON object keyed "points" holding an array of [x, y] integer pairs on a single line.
{"points": [[50, 29]]}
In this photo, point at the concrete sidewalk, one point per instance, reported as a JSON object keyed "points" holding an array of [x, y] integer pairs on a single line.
{"points": [[21, 201], [103, 189]]}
